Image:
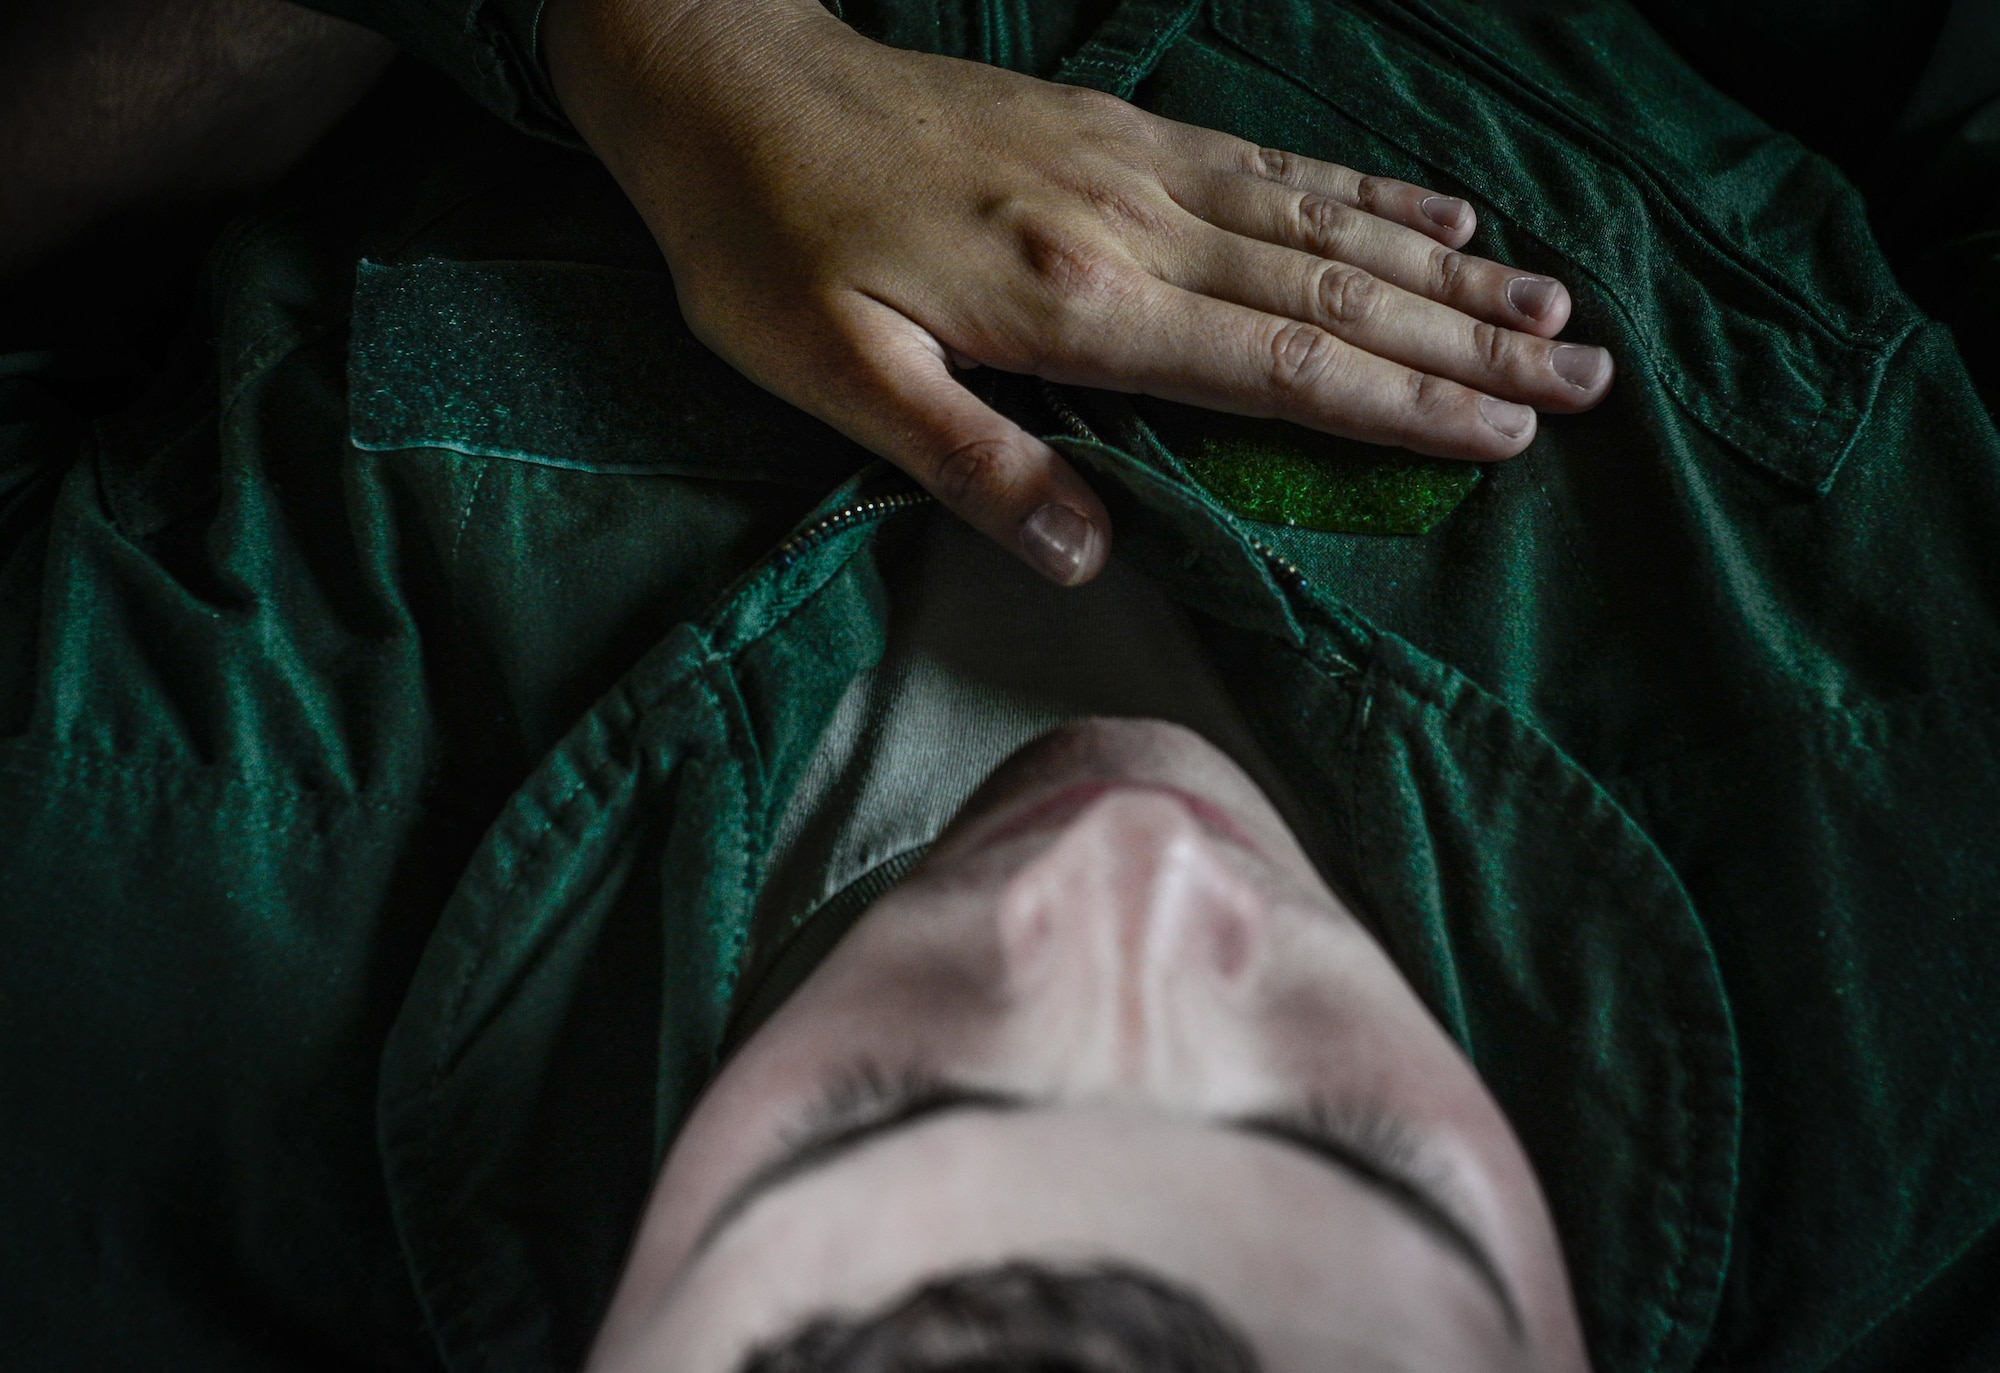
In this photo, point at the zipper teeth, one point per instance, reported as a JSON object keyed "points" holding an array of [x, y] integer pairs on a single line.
{"points": [[1287, 570], [828, 525], [1067, 414]]}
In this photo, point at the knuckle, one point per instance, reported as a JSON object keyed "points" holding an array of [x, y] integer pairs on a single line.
{"points": [[1111, 122], [1328, 228], [1319, 218], [970, 472], [1431, 396], [1348, 295], [1066, 263], [1374, 193], [1492, 345], [1303, 357], [1450, 270], [1275, 164], [1120, 208]]}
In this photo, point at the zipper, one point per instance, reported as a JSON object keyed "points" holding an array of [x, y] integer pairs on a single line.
{"points": [[825, 527], [1288, 572], [1066, 414]]}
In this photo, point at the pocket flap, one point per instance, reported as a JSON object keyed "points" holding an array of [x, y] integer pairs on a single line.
{"points": [[566, 365], [1748, 280]]}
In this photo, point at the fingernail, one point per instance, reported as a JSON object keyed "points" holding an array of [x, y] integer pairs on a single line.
{"points": [[1532, 296], [1579, 364], [1510, 419], [1445, 211], [1061, 541]]}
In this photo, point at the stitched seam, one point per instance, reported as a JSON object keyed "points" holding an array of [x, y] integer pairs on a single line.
{"points": [[87, 766], [1957, 696], [1669, 378], [560, 809], [450, 1023], [730, 960], [464, 519], [1676, 1299], [1713, 243], [1915, 1291], [1680, 1189]]}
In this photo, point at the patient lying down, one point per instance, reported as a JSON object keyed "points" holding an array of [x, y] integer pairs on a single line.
{"points": [[1111, 1082]]}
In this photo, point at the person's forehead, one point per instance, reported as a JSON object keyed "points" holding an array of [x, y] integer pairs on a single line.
{"points": [[1275, 1238]]}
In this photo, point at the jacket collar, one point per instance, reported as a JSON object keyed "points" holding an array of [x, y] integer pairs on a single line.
{"points": [[606, 920]]}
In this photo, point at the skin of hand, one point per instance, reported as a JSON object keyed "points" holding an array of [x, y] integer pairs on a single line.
{"points": [[850, 224], [1118, 955]]}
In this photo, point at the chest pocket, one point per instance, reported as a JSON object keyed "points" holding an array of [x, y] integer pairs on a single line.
{"points": [[568, 365], [1721, 260]]}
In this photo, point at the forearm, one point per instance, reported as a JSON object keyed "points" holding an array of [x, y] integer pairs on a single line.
{"points": [[624, 69]]}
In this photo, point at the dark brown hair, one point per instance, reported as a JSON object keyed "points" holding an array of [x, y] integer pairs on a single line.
{"points": [[1021, 1318]]}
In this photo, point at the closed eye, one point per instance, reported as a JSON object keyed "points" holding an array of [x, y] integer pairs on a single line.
{"points": [[1359, 1141], [1388, 1169]]}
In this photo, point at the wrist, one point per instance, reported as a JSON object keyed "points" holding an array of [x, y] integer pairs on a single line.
{"points": [[618, 66]]}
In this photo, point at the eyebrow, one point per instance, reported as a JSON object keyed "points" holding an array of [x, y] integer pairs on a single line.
{"points": [[1411, 1198]]}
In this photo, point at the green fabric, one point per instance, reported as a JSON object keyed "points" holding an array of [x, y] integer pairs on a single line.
{"points": [[380, 825], [1278, 473], [483, 358], [1271, 472], [1772, 57], [491, 48]]}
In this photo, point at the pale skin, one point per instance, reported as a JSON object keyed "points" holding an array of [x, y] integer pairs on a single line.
{"points": [[851, 225], [1118, 955]]}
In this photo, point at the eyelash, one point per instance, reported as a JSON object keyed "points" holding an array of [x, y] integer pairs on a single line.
{"points": [[865, 1091], [1366, 1129]]}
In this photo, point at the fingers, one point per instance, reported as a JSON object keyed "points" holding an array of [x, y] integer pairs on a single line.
{"points": [[1225, 356], [1402, 233], [1326, 227], [902, 402], [1383, 318], [1444, 218]]}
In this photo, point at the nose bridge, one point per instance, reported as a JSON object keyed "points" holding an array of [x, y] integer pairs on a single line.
{"points": [[1140, 927]]}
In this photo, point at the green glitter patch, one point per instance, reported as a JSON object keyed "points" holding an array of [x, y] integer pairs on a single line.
{"points": [[1278, 473]]}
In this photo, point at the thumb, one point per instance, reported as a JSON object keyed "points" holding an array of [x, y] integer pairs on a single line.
{"points": [[902, 402]]}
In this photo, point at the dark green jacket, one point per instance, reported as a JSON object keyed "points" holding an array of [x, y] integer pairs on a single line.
{"points": [[394, 716]]}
